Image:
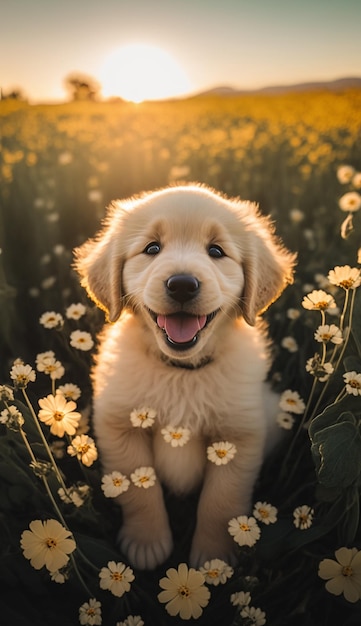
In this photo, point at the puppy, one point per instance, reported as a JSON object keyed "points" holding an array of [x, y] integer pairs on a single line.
{"points": [[183, 274]]}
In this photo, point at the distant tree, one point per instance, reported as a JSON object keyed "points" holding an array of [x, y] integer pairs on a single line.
{"points": [[14, 94], [82, 87]]}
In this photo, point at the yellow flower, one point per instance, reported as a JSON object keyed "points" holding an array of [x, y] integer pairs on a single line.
{"points": [[47, 543], [350, 202], [59, 414], [345, 173], [343, 575], [116, 577], [184, 592], [318, 300], [83, 447], [345, 276]]}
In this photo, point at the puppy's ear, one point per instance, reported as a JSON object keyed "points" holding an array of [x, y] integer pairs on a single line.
{"points": [[268, 267], [100, 263]]}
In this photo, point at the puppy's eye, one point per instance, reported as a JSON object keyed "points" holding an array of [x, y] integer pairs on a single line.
{"points": [[216, 252], [152, 248]]}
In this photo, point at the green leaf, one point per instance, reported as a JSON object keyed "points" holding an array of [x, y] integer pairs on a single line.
{"points": [[348, 527], [333, 414], [339, 449]]}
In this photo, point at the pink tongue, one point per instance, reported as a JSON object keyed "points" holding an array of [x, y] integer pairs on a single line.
{"points": [[181, 328]]}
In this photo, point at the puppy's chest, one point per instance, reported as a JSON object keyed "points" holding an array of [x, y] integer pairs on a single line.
{"points": [[201, 404]]}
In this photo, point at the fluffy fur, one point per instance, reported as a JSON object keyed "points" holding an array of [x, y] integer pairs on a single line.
{"points": [[228, 266]]}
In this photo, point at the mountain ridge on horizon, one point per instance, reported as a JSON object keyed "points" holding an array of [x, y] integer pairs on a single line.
{"points": [[352, 82]]}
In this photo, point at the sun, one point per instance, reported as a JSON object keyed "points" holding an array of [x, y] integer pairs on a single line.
{"points": [[139, 72]]}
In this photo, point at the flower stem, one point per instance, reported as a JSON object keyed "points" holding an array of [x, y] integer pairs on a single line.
{"points": [[46, 445], [343, 349]]}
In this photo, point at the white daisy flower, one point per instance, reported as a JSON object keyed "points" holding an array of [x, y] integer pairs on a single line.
{"points": [[321, 371], [81, 340], [345, 276], [353, 383], [51, 319], [114, 484], [90, 613], [356, 180], [291, 402], [83, 447], [265, 512], [328, 332], [76, 494], [293, 314], [131, 620], [22, 374], [143, 477], [303, 517], [176, 436], [216, 572], [12, 417], [221, 452], [285, 420], [69, 391], [318, 300], [244, 530], [350, 202], [47, 363], [290, 344], [241, 598], [143, 417], [6, 393], [345, 173], [254, 616], [59, 414], [116, 578], [59, 576], [75, 311]]}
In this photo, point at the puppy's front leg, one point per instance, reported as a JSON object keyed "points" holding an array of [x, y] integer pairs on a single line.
{"points": [[226, 493], [145, 536]]}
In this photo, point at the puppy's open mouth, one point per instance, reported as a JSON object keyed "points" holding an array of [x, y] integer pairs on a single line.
{"points": [[182, 329]]}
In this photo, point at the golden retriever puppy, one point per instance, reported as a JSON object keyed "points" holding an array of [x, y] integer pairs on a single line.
{"points": [[182, 274]]}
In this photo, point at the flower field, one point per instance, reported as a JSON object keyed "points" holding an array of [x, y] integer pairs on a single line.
{"points": [[299, 549]]}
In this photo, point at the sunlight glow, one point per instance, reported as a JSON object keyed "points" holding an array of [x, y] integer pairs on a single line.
{"points": [[138, 72]]}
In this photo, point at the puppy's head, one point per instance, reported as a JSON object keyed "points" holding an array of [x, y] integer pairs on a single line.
{"points": [[186, 260]]}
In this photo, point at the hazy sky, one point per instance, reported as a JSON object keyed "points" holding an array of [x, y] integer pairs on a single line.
{"points": [[243, 43]]}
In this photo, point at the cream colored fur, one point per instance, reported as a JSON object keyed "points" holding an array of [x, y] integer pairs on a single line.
{"points": [[223, 398]]}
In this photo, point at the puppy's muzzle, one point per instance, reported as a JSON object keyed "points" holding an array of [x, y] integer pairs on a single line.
{"points": [[182, 287]]}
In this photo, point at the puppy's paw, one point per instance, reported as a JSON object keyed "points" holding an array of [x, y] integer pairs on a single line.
{"points": [[205, 549], [146, 552]]}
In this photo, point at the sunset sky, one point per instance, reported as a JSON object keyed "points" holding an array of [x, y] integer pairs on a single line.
{"points": [[242, 43]]}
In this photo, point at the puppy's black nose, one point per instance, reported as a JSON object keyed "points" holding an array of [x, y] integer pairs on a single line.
{"points": [[182, 287]]}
